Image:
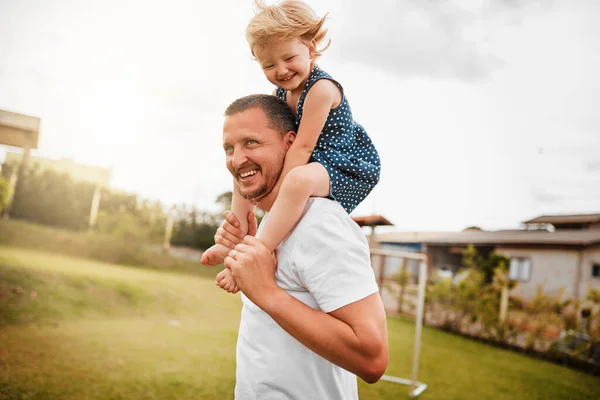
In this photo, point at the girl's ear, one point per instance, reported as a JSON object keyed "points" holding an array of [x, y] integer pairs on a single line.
{"points": [[312, 49]]}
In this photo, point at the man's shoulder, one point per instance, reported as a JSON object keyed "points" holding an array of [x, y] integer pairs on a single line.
{"points": [[327, 220], [319, 210]]}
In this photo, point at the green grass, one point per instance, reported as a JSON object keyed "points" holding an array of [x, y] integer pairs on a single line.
{"points": [[71, 328], [92, 245]]}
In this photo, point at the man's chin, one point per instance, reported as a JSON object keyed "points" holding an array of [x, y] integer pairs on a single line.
{"points": [[256, 196]]}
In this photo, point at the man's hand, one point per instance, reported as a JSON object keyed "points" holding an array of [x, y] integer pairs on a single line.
{"points": [[229, 233], [253, 267]]}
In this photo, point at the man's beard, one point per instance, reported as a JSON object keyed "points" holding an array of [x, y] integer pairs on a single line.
{"points": [[256, 195]]}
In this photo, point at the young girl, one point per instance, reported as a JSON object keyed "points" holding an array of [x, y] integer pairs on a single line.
{"points": [[332, 155]]}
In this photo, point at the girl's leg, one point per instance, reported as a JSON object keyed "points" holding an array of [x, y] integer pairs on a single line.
{"points": [[311, 180], [240, 208]]}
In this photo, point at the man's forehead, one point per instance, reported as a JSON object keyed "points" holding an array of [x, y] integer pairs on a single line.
{"points": [[250, 123]]}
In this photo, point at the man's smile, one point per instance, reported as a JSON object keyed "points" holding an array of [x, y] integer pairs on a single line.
{"points": [[247, 175]]}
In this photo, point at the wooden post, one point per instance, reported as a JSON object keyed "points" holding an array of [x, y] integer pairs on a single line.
{"points": [[11, 191], [95, 206], [18, 183], [503, 304], [372, 243], [168, 231]]}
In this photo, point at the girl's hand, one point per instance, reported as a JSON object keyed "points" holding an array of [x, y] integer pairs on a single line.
{"points": [[230, 234]]}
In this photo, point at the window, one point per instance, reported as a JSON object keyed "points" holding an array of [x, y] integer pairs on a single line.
{"points": [[596, 270], [520, 269]]}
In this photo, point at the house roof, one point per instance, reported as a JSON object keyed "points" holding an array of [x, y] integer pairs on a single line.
{"points": [[565, 219], [494, 238], [371, 220]]}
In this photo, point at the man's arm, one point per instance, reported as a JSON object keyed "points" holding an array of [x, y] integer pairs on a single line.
{"points": [[353, 337]]}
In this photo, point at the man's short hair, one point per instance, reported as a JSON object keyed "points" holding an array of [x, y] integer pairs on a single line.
{"points": [[280, 116]]}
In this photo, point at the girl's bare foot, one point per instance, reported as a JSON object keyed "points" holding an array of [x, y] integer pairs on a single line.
{"points": [[226, 281], [215, 255]]}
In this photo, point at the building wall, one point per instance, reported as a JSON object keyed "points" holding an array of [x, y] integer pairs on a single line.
{"points": [[553, 269], [440, 257], [590, 256], [393, 264]]}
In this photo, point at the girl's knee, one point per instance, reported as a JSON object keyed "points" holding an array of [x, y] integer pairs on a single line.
{"points": [[298, 182]]}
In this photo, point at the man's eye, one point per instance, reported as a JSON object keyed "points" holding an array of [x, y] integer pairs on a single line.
{"points": [[228, 149], [251, 142]]}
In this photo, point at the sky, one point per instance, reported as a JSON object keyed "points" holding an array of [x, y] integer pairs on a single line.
{"points": [[485, 112]]}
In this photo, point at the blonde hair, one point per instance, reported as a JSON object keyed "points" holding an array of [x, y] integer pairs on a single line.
{"points": [[290, 19]]}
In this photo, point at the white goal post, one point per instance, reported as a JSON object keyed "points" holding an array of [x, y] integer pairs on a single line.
{"points": [[415, 387]]}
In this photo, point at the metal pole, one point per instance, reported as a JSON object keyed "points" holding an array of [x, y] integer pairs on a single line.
{"points": [[419, 322], [381, 275], [416, 387]]}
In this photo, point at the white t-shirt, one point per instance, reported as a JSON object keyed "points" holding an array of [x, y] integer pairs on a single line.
{"points": [[325, 264]]}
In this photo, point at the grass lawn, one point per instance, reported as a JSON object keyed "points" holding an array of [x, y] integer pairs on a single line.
{"points": [[78, 329]]}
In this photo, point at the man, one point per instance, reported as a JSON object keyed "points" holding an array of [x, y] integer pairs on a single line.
{"points": [[312, 319]]}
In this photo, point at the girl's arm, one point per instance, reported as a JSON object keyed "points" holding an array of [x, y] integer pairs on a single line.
{"points": [[321, 98]]}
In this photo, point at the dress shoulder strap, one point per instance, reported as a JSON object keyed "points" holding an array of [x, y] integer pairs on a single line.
{"points": [[316, 74]]}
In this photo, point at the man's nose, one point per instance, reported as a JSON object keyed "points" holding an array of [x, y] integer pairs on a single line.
{"points": [[238, 158]]}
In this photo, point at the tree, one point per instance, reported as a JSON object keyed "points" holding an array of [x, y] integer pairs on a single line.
{"points": [[472, 259], [194, 228], [56, 199], [51, 198], [488, 266], [225, 199], [4, 194], [594, 297]]}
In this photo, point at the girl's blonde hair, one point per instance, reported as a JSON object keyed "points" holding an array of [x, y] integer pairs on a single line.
{"points": [[290, 19]]}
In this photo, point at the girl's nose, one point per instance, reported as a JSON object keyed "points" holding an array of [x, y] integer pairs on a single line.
{"points": [[281, 71]]}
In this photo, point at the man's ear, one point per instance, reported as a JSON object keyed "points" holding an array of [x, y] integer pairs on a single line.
{"points": [[289, 139]]}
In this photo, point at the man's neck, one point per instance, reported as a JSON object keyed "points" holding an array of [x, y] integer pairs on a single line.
{"points": [[265, 204]]}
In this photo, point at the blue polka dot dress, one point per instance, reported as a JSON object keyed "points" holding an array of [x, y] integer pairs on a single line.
{"points": [[343, 148]]}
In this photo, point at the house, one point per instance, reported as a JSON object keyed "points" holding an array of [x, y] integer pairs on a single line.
{"points": [[558, 252]]}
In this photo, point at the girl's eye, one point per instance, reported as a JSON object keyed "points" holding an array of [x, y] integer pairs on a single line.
{"points": [[290, 58], [268, 67]]}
